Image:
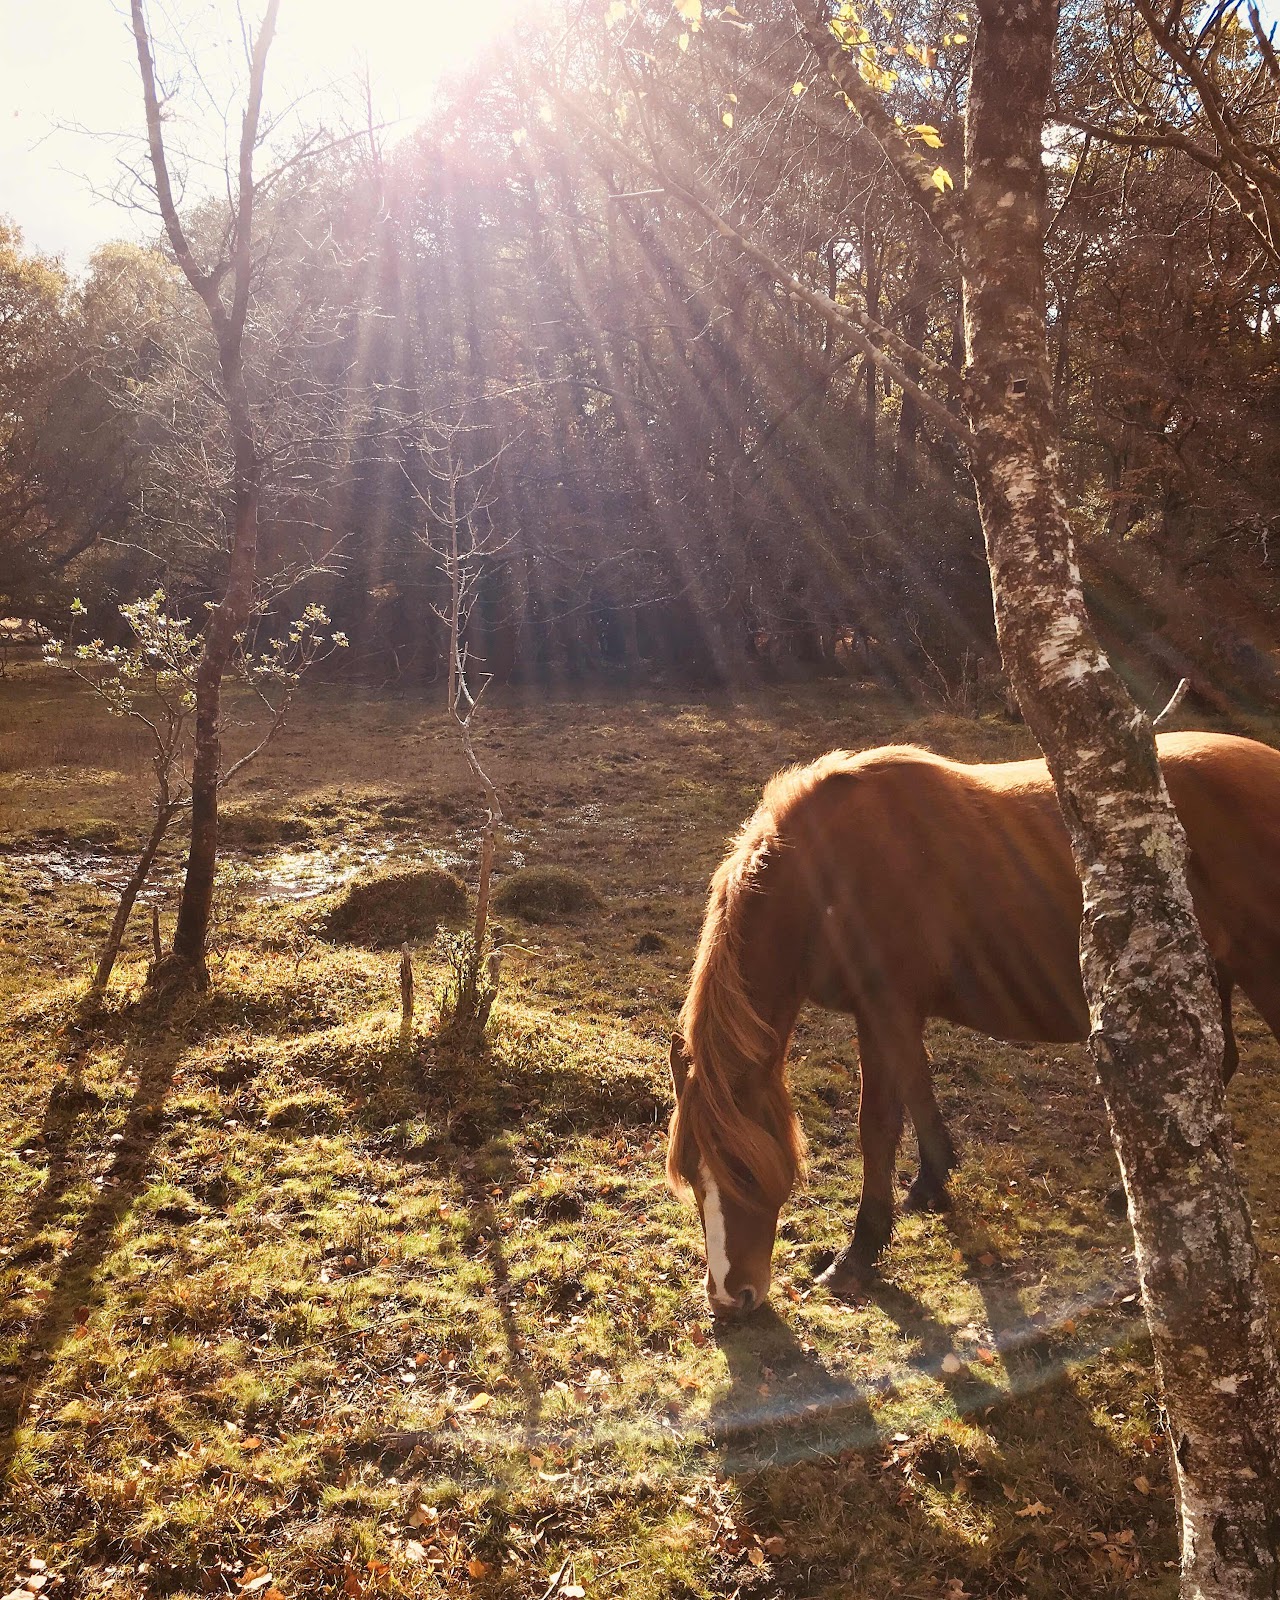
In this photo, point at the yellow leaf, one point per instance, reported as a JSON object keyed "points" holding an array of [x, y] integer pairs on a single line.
{"points": [[928, 134], [519, 136], [940, 178], [798, 88], [727, 118], [732, 98], [615, 13], [690, 11], [479, 1402], [683, 41]]}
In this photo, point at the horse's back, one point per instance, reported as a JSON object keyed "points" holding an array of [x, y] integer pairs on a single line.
{"points": [[945, 889], [1227, 793], [948, 889]]}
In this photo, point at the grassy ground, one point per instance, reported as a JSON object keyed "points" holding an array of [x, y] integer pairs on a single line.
{"points": [[290, 1307]]}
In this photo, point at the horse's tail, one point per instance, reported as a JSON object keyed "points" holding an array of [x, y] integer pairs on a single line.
{"points": [[734, 1114]]}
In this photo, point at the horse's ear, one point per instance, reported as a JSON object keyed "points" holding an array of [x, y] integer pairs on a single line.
{"points": [[679, 1064]]}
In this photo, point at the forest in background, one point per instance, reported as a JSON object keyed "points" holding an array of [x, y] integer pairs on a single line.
{"points": [[675, 469]]}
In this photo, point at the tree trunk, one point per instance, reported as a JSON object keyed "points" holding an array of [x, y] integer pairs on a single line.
{"points": [[128, 895], [1156, 1035], [185, 964], [906, 452]]}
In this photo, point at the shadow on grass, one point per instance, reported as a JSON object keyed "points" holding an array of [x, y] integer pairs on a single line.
{"points": [[783, 1402], [72, 1295], [855, 1508]]}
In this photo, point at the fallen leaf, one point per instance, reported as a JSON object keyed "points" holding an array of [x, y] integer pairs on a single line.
{"points": [[478, 1402], [987, 1357], [254, 1584], [415, 1550], [1142, 1485], [755, 1556], [776, 1546], [951, 1362], [477, 1568], [1033, 1508], [986, 1259]]}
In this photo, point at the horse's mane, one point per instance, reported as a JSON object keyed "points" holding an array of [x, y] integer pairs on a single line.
{"points": [[735, 1113]]}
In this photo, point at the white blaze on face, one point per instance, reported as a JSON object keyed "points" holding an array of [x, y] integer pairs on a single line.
{"points": [[713, 1227]]}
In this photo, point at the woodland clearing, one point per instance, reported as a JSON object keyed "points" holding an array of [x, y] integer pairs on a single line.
{"points": [[287, 1299]]}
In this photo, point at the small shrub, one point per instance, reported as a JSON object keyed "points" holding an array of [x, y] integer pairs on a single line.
{"points": [[470, 987], [388, 909], [539, 894]]}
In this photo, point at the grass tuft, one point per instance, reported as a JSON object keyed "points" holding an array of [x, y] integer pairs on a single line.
{"points": [[387, 909], [540, 894]]}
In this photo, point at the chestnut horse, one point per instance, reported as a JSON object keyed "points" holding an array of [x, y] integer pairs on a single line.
{"points": [[897, 886]]}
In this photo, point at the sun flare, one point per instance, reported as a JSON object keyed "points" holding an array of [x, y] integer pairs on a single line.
{"points": [[407, 46]]}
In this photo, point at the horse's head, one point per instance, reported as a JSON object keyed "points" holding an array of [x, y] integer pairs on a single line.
{"points": [[740, 1169]]}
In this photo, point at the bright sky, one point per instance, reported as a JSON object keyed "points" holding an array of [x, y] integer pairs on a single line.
{"points": [[70, 64]]}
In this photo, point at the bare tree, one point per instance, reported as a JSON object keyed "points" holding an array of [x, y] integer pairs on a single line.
{"points": [[223, 285], [455, 492]]}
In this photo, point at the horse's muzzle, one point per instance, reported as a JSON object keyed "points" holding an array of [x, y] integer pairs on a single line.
{"points": [[743, 1303]]}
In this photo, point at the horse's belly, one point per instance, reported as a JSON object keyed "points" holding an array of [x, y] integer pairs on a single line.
{"points": [[1016, 992]]}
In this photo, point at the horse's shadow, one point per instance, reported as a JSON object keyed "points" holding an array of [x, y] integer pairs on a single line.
{"points": [[783, 1403]]}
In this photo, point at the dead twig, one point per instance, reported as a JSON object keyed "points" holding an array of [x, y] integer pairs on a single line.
{"points": [[1175, 700]]}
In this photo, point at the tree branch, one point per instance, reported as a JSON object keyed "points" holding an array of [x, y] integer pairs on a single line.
{"points": [[862, 330], [946, 211]]}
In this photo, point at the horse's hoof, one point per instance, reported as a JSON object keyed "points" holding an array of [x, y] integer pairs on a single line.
{"points": [[845, 1281], [926, 1197]]}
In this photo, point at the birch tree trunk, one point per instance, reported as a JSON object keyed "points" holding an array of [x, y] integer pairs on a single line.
{"points": [[1156, 1032]]}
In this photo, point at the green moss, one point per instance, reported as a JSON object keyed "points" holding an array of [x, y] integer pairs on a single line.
{"points": [[540, 894], [388, 909]]}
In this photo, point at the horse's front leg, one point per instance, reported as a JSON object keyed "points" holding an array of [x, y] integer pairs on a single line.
{"points": [[880, 1128]]}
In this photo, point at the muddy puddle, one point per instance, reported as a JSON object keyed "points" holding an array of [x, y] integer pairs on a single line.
{"points": [[295, 873]]}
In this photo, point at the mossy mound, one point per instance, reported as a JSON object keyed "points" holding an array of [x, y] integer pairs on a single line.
{"points": [[391, 908], [259, 828], [539, 894]]}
